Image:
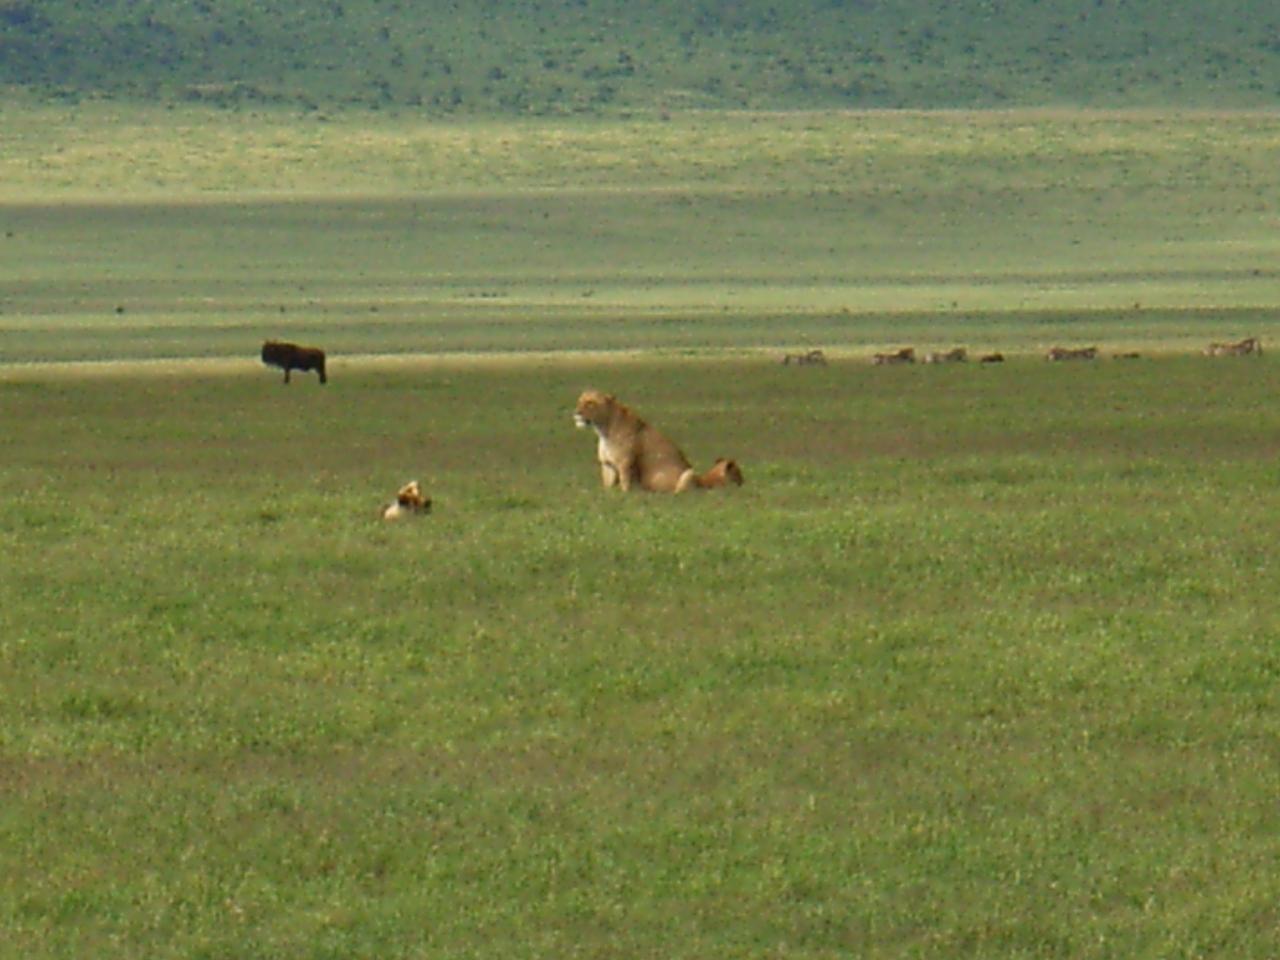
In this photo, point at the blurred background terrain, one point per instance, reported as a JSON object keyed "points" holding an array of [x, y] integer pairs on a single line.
{"points": [[476, 57]]}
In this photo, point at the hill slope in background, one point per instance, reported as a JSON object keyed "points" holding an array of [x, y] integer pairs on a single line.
{"points": [[571, 56]]}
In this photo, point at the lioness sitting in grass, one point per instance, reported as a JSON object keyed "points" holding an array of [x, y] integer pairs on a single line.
{"points": [[633, 454]]}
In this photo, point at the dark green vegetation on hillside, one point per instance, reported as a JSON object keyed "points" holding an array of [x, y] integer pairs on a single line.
{"points": [[980, 663], [481, 56]]}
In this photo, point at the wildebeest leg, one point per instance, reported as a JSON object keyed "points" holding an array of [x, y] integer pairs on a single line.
{"points": [[286, 374]]}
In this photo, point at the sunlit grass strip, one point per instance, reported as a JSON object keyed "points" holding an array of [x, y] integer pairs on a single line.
{"points": [[121, 150]]}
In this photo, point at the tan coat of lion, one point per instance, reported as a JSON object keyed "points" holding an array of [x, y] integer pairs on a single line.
{"points": [[634, 454], [409, 500]]}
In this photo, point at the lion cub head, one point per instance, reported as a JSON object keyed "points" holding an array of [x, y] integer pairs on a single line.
{"points": [[409, 500], [595, 409]]}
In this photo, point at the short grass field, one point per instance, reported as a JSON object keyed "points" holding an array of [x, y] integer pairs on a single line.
{"points": [[980, 662]]}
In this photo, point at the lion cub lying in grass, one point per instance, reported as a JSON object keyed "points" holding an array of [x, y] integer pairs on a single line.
{"points": [[409, 500], [634, 454]]}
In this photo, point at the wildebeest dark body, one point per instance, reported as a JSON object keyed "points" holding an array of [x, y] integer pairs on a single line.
{"points": [[289, 357]]}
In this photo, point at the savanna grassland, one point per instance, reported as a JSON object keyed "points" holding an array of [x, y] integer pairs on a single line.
{"points": [[980, 662], [154, 232]]}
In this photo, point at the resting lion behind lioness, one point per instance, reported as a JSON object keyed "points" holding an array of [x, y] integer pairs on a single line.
{"points": [[722, 473], [633, 454]]}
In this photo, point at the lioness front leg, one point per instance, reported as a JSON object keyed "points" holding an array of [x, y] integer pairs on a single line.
{"points": [[623, 468], [608, 474]]}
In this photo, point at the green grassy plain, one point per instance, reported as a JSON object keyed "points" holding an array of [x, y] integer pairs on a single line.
{"points": [[981, 661]]}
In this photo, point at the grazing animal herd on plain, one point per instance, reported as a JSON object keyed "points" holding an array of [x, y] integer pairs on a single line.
{"points": [[1072, 353], [1241, 348], [905, 355], [634, 455], [814, 358]]}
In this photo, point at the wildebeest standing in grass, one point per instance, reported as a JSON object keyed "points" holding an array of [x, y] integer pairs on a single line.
{"points": [[289, 357]]}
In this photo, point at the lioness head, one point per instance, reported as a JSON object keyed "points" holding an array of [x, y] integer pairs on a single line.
{"points": [[595, 409]]}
